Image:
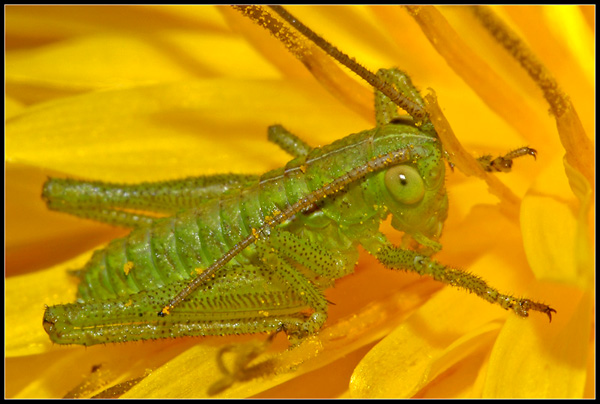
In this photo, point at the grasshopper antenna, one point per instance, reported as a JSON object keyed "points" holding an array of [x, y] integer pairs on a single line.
{"points": [[265, 20]]}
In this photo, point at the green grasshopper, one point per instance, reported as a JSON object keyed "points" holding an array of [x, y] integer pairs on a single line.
{"points": [[279, 240], [247, 254]]}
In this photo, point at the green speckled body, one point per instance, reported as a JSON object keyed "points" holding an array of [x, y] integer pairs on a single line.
{"points": [[123, 285], [249, 254]]}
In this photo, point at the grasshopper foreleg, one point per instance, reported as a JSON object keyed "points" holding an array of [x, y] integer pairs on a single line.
{"points": [[408, 260], [504, 163], [328, 265]]}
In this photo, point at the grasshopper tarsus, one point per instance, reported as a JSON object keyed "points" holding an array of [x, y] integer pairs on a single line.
{"points": [[504, 163], [532, 152], [540, 307], [549, 312]]}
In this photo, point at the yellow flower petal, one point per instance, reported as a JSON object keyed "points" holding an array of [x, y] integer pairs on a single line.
{"points": [[200, 103], [550, 237], [172, 125], [12, 107], [536, 359], [29, 26], [25, 299], [427, 344], [113, 61]]}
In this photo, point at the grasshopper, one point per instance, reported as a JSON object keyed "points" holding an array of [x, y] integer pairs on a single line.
{"points": [[278, 240], [247, 254]]}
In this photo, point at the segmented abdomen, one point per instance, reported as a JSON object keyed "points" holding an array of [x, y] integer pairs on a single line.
{"points": [[178, 247]]}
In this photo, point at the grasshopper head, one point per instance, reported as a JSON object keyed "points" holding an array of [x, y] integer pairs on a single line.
{"points": [[415, 195]]}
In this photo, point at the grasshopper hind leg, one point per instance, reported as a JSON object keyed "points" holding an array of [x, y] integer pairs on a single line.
{"points": [[133, 205]]}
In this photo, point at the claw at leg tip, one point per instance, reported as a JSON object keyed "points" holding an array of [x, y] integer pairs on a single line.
{"points": [[549, 313]]}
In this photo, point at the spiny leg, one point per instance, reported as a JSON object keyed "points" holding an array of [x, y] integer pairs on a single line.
{"points": [[407, 260], [324, 263], [287, 141], [106, 202], [301, 286], [386, 111], [113, 217], [504, 163], [273, 252]]}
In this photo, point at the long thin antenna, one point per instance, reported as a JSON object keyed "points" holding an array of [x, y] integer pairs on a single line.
{"points": [[263, 18], [415, 110]]}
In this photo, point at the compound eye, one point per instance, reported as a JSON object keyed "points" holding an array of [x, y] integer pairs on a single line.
{"points": [[405, 184]]}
